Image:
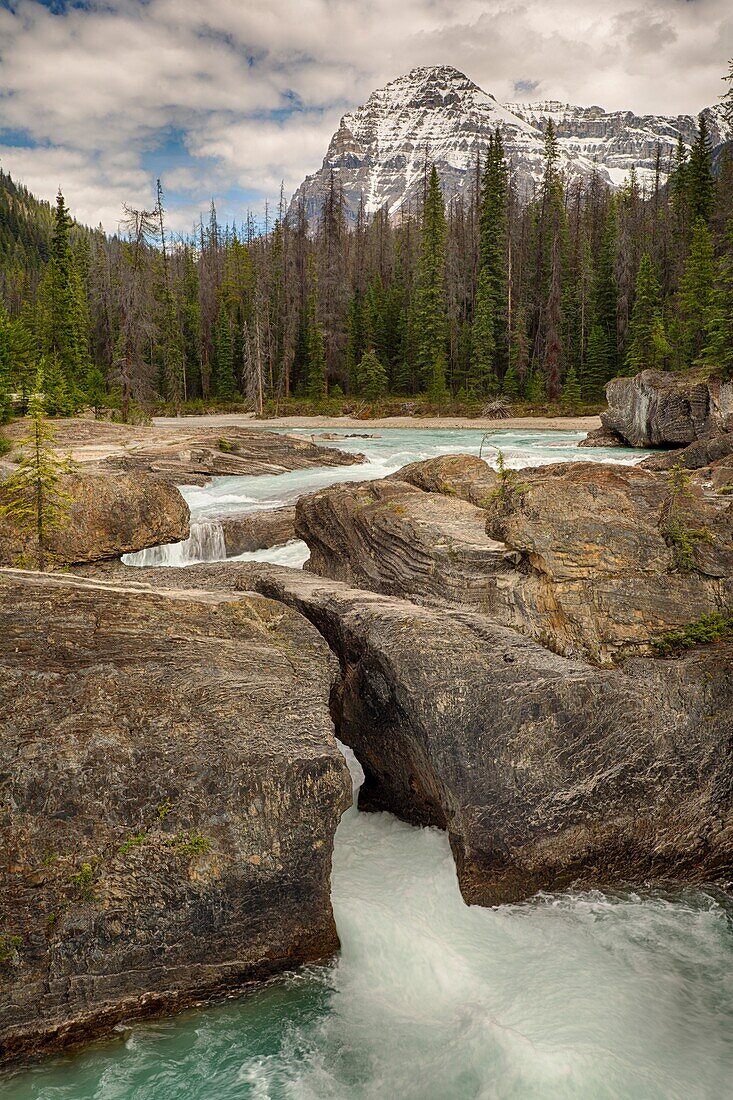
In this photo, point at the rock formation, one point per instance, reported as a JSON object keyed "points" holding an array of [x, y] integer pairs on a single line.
{"points": [[247, 531], [546, 772], [580, 556], [192, 459], [665, 409], [168, 800], [108, 515]]}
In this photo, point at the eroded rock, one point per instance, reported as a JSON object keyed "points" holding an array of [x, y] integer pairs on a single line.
{"points": [[168, 800], [248, 531], [667, 409], [546, 772], [575, 555], [108, 515]]}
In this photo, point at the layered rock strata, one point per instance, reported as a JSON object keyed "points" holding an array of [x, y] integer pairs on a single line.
{"points": [[168, 800]]}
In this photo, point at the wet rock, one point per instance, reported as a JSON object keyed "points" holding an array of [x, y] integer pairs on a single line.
{"points": [[701, 453], [168, 799], [546, 772], [666, 409], [107, 516], [603, 437], [245, 532], [575, 555]]}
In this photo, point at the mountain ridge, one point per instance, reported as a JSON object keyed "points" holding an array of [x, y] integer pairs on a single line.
{"points": [[436, 112]]}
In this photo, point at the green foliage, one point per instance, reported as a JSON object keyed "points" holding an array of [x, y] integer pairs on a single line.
{"points": [[597, 365], [137, 840], [9, 947], [716, 627], [509, 488], [225, 446], [430, 306], [571, 392], [164, 809], [696, 293], [6, 446], [371, 377], [83, 882], [32, 498], [192, 843], [225, 382], [648, 345], [718, 351], [676, 528]]}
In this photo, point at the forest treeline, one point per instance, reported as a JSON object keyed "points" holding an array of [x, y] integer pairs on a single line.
{"points": [[478, 297]]}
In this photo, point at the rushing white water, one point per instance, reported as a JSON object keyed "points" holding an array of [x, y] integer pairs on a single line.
{"points": [[204, 543], [386, 450], [571, 997]]}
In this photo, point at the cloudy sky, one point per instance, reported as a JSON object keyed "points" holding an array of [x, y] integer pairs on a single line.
{"points": [[226, 98]]}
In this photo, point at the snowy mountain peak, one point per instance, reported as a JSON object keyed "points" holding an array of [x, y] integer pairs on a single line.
{"points": [[436, 112]]}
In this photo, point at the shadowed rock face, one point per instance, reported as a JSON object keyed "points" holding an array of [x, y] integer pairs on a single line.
{"points": [[545, 771], [701, 453], [664, 409], [168, 800], [257, 530], [575, 557], [108, 515]]}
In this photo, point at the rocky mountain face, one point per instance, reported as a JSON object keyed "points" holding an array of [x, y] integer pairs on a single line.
{"points": [[379, 151]]}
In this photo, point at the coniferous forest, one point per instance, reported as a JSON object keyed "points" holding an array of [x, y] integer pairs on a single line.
{"points": [[467, 298]]}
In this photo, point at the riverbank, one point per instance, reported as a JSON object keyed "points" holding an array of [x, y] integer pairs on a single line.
{"points": [[421, 423]]}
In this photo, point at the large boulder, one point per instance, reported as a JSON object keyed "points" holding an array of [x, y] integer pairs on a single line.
{"points": [[106, 515], [169, 794], [546, 772], [576, 555], [666, 409], [701, 453]]}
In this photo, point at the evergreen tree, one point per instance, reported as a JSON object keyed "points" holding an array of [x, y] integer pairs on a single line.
{"points": [[225, 379], [571, 391], [648, 347], [356, 338], [371, 377], [316, 376], [510, 384], [606, 296], [32, 498], [718, 351], [696, 291], [598, 369], [700, 182], [489, 337], [63, 315], [430, 312]]}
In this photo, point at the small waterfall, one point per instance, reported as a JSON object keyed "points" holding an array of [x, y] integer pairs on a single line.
{"points": [[204, 543]]}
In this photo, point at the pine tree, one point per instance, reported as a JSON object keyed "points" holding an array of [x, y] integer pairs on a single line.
{"points": [[510, 384], [430, 312], [648, 347], [718, 351], [315, 348], [598, 368], [606, 296], [356, 338], [700, 182], [225, 379], [696, 292], [63, 310], [489, 336], [571, 391], [371, 377], [32, 498]]}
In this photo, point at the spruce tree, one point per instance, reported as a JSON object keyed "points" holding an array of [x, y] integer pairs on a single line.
{"points": [[356, 339], [32, 498], [648, 347], [372, 381], [225, 378], [489, 337], [431, 329], [510, 384], [598, 369], [571, 391], [699, 181], [718, 351], [63, 309], [696, 292], [606, 286]]}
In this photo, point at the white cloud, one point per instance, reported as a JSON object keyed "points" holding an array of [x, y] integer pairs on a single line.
{"points": [[101, 88]]}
